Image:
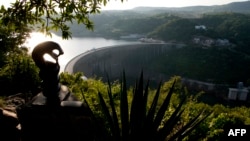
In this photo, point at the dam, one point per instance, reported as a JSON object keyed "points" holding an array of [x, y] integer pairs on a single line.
{"points": [[131, 58]]}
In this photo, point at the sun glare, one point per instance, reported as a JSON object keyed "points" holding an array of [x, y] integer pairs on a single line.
{"points": [[36, 38], [48, 58]]}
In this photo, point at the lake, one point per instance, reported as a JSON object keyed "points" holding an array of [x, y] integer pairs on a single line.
{"points": [[73, 47]]}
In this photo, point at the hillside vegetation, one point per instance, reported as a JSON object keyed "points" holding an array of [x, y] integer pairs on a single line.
{"points": [[197, 60], [123, 109], [143, 20]]}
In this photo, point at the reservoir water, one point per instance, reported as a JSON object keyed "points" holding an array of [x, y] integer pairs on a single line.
{"points": [[73, 47]]}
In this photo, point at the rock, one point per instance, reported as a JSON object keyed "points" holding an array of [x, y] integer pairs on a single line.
{"points": [[9, 126], [9, 123], [14, 101]]}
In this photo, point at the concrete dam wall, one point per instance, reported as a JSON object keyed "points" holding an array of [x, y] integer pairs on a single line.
{"points": [[130, 58]]}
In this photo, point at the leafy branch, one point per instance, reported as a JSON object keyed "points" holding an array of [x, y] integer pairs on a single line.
{"points": [[50, 15]]}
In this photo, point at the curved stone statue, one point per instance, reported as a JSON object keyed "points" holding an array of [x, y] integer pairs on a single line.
{"points": [[49, 48], [54, 113]]}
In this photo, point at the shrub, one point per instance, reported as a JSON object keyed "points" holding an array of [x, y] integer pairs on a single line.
{"points": [[135, 121]]}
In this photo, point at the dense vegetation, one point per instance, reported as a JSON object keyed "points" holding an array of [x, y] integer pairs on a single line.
{"points": [[194, 61], [18, 74], [212, 128], [170, 27], [219, 66]]}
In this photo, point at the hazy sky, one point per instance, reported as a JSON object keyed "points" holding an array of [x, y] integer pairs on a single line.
{"points": [[128, 4]]}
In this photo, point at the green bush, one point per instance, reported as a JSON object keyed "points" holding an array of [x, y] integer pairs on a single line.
{"points": [[113, 125], [136, 121], [19, 74]]}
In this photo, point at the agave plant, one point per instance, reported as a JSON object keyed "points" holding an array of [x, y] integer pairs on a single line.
{"points": [[137, 122]]}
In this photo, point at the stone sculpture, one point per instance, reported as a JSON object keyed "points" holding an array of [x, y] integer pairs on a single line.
{"points": [[54, 113]]}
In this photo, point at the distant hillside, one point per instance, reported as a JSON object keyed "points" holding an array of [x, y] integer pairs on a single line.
{"points": [[241, 7], [231, 26], [237, 7], [220, 64], [173, 24]]}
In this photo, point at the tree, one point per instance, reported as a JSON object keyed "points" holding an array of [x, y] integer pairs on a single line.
{"points": [[47, 15], [19, 74], [10, 40], [177, 29]]}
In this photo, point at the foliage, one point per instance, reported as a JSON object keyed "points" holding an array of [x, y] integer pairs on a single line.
{"points": [[87, 89], [212, 128], [232, 26], [175, 30], [170, 27], [49, 15], [19, 74], [11, 40], [147, 24], [22, 17], [137, 121], [199, 64], [17, 71], [73, 81]]}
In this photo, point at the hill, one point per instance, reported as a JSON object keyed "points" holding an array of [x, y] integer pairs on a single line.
{"points": [[106, 23], [225, 25], [231, 26], [237, 7]]}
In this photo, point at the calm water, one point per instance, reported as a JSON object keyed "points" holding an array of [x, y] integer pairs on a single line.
{"points": [[72, 47]]}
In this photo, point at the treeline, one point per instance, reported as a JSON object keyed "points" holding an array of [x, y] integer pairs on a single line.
{"points": [[231, 26], [169, 27], [219, 66]]}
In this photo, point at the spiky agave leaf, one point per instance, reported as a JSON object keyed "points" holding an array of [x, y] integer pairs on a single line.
{"points": [[142, 124], [100, 132], [124, 109], [145, 99], [171, 122], [160, 114], [192, 125], [149, 120], [107, 114], [114, 114], [137, 115], [183, 132]]}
